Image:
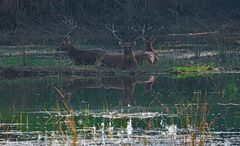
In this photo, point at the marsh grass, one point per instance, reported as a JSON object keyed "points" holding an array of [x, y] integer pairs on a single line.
{"points": [[85, 128], [31, 61], [69, 120], [192, 116]]}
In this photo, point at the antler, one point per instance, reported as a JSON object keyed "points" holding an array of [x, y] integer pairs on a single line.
{"points": [[143, 32], [71, 25], [113, 32], [150, 39]]}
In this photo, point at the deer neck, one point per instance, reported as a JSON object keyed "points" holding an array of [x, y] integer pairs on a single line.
{"points": [[71, 49], [129, 54], [129, 57], [149, 48]]}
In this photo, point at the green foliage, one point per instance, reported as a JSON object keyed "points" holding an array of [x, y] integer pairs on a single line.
{"points": [[192, 71], [30, 61], [232, 90]]}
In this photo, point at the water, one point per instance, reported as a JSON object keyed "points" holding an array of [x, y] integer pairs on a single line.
{"points": [[118, 110]]}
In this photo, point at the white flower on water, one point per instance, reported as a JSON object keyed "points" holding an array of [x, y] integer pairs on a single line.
{"points": [[129, 127], [172, 130], [102, 130], [102, 127], [39, 137], [110, 129], [226, 142], [94, 130]]}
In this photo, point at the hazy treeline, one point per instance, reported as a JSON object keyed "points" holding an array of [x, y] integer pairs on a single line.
{"points": [[99, 12], [32, 21]]}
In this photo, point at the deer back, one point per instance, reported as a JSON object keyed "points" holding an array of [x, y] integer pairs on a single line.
{"points": [[114, 60]]}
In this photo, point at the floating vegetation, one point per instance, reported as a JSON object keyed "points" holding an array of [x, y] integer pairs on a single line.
{"points": [[192, 71]]}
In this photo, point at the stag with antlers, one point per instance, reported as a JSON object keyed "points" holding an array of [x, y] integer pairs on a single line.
{"points": [[123, 60], [79, 56]]}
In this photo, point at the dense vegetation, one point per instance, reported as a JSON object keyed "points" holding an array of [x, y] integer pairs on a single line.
{"points": [[39, 18]]}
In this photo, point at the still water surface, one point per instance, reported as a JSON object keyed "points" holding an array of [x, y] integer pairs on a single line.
{"points": [[142, 110]]}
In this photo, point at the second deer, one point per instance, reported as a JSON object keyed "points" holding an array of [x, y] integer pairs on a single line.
{"points": [[120, 60], [124, 60]]}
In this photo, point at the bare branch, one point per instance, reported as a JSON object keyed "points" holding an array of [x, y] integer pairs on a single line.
{"points": [[143, 32], [113, 32], [160, 28], [134, 29], [119, 3], [71, 25], [70, 32]]}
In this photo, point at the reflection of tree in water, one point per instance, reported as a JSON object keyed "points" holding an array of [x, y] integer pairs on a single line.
{"points": [[126, 84]]}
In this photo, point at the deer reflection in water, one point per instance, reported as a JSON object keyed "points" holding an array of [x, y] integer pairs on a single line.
{"points": [[126, 84]]}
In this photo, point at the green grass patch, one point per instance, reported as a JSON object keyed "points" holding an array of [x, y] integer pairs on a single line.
{"points": [[31, 61], [191, 71]]}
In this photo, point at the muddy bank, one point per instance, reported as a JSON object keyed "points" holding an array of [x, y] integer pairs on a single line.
{"points": [[12, 72]]}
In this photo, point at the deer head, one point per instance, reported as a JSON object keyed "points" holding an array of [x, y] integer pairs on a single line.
{"points": [[129, 43], [129, 56], [63, 45], [149, 43]]}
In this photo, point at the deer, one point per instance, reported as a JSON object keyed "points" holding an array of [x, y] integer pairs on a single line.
{"points": [[125, 60], [149, 47], [79, 56], [149, 54], [120, 60]]}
